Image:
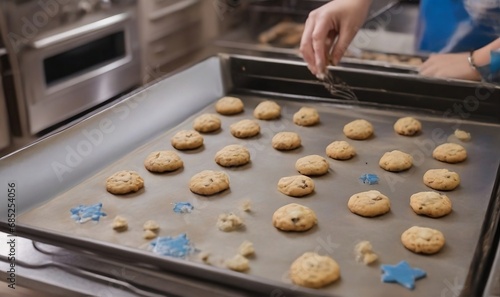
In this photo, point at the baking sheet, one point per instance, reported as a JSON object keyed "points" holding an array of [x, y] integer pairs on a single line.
{"points": [[338, 229]]}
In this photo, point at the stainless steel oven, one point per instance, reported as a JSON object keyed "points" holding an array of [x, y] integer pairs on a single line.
{"points": [[69, 56]]}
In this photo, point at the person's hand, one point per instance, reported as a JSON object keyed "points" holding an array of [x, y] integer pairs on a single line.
{"points": [[333, 24], [449, 66]]}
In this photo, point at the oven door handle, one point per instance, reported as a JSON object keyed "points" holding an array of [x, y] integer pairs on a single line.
{"points": [[70, 34]]}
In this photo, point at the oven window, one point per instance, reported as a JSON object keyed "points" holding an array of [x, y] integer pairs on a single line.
{"points": [[85, 57]]}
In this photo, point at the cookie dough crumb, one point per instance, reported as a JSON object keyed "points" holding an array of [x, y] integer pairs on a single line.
{"points": [[229, 222], [151, 225], [462, 135], [238, 263], [246, 249], [149, 234], [150, 229], [246, 205], [120, 224], [364, 252], [205, 257], [370, 258]]}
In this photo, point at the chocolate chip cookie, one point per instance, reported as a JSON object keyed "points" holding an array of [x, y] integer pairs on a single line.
{"points": [[340, 150], [267, 110], [294, 217], [207, 123], [209, 182], [312, 165], [312, 270], [296, 185], [441, 179], [285, 141], [358, 129], [187, 140], [407, 126], [163, 161], [396, 161], [232, 155], [423, 240], [431, 204], [124, 182], [306, 116], [245, 129], [229, 105], [369, 204], [450, 153]]}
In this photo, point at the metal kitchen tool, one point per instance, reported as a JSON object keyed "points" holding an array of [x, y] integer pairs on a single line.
{"points": [[336, 86]]}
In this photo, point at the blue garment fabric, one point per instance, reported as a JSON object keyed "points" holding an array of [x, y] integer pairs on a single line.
{"points": [[495, 61], [446, 26], [485, 12], [491, 72]]}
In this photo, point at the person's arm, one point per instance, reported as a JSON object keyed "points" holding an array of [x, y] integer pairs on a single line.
{"points": [[458, 65], [331, 27]]}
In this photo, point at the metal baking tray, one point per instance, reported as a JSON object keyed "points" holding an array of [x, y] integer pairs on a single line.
{"points": [[77, 161]]}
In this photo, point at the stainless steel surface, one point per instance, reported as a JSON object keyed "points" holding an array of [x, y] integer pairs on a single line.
{"points": [[493, 286], [394, 16], [338, 229], [78, 32], [37, 34], [391, 31], [172, 9], [5, 136], [49, 270], [389, 28], [68, 166], [336, 86], [43, 270]]}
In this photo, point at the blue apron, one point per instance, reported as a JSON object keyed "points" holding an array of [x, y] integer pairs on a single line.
{"points": [[445, 26]]}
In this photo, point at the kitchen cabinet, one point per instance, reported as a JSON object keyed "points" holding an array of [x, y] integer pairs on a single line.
{"points": [[173, 32]]}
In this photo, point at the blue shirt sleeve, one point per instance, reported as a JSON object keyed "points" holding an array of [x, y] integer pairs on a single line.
{"points": [[491, 72]]}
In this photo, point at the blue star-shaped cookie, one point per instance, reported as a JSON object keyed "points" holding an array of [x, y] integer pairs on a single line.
{"points": [[402, 273]]}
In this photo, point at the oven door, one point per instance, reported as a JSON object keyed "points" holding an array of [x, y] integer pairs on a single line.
{"points": [[70, 72]]}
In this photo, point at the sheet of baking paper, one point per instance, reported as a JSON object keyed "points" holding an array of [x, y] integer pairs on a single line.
{"points": [[338, 230]]}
